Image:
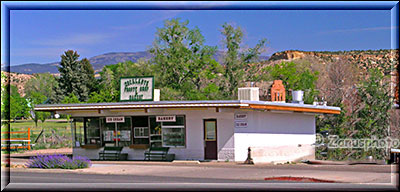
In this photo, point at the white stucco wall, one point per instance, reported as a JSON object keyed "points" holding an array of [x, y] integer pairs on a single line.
{"points": [[275, 137]]}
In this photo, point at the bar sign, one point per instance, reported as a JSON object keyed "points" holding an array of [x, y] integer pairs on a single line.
{"points": [[115, 119], [165, 119]]}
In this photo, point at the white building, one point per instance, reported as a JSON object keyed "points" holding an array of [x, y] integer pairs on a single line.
{"points": [[197, 130]]}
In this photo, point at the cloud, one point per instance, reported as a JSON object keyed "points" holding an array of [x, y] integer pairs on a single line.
{"points": [[164, 15], [75, 39], [43, 51], [359, 30]]}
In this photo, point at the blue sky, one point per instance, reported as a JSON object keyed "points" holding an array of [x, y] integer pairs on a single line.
{"points": [[41, 36]]}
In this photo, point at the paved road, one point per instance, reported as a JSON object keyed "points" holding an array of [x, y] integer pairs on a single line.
{"points": [[74, 181]]}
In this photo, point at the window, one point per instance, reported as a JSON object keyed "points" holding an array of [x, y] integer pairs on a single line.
{"points": [[92, 130], [122, 134], [173, 133], [155, 132], [140, 129], [141, 132]]}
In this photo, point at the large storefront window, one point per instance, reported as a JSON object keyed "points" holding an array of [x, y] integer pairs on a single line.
{"points": [[136, 130], [92, 130], [173, 133], [117, 133]]}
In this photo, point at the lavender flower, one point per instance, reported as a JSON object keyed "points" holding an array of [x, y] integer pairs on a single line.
{"points": [[58, 162]]}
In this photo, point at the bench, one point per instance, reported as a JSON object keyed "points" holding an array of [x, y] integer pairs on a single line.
{"points": [[160, 152], [109, 152]]}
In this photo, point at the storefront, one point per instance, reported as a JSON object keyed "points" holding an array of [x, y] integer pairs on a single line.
{"points": [[221, 130], [194, 130]]}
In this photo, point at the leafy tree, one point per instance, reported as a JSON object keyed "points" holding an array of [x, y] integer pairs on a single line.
{"points": [[43, 83], [35, 98], [294, 78], [182, 60], [237, 64], [72, 79], [18, 104]]}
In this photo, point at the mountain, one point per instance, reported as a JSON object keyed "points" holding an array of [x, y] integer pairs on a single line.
{"points": [[98, 62]]}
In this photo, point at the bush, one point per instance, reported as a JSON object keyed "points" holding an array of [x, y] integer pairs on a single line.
{"points": [[58, 162]]}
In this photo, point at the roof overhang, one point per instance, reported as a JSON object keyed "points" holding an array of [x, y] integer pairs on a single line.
{"points": [[242, 104]]}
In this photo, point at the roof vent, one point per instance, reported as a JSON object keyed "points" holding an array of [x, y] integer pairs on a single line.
{"points": [[248, 93], [297, 97]]}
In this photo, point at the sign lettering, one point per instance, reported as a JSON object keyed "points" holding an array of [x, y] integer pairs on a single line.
{"points": [[241, 116], [165, 119], [115, 119], [240, 124], [136, 88]]}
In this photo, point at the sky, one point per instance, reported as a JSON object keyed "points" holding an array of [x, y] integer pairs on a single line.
{"points": [[41, 36]]}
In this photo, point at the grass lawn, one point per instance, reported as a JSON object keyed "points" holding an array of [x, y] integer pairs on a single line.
{"points": [[57, 132]]}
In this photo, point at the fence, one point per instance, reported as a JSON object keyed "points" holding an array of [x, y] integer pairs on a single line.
{"points": [[17, 143]]}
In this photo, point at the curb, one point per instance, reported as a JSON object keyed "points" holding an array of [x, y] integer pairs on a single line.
{"points": [[300, 179]]}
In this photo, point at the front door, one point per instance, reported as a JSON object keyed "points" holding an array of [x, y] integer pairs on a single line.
{"points": [[210, 139]]}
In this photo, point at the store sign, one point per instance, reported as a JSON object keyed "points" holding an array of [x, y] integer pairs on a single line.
{"points": [[240, 124], [136, 88], [241, 116], [165, 119], [115, 120]]}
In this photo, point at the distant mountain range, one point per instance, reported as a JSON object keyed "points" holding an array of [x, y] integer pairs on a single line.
{"points": [[98, 62]]}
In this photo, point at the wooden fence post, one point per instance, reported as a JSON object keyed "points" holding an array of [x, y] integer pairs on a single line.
{"points": [[29, 138]]}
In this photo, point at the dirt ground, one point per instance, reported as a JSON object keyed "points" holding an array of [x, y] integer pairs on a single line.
{"points": [[42, 152]]}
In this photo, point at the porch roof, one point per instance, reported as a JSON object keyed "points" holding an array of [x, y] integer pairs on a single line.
{"points": [[245, 104]]}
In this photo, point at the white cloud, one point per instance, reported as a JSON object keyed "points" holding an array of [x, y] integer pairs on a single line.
{"points": [[75, 39]]}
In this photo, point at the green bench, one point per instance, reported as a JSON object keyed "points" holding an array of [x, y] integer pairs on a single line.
{"points": [[159, 152], [113, 153]]}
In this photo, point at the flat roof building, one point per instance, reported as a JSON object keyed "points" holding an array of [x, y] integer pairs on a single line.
{"points": [[223, 130]]}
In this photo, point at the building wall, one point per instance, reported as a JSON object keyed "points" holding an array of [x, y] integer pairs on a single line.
{"points": [[276, 137], [272, 136], [194, 133]]}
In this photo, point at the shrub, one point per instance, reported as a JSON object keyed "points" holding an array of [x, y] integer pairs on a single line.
{"points": [[58, 162]]}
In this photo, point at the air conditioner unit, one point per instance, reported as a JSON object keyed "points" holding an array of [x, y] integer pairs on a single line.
{"points": [[248, 93]]}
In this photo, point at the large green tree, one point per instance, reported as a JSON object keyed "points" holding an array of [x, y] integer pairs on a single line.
{"points": [[183, 63], [87, 69], [72, 77], [237, 63]]}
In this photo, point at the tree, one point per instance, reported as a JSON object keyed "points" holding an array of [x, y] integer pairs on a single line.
{"points": [[87, 69], [18, 104], [183, 63], [43, 83], [238, 65], [72, 79], [34, 98], [5, 97], [372, 115], [294, 78], [71, 98]]}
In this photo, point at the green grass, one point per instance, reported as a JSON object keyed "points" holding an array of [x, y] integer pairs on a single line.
{"points": [[57, 134]]}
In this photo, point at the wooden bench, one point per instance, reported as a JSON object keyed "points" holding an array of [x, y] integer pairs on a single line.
{"points": [[160, 152], [108, 152]]}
